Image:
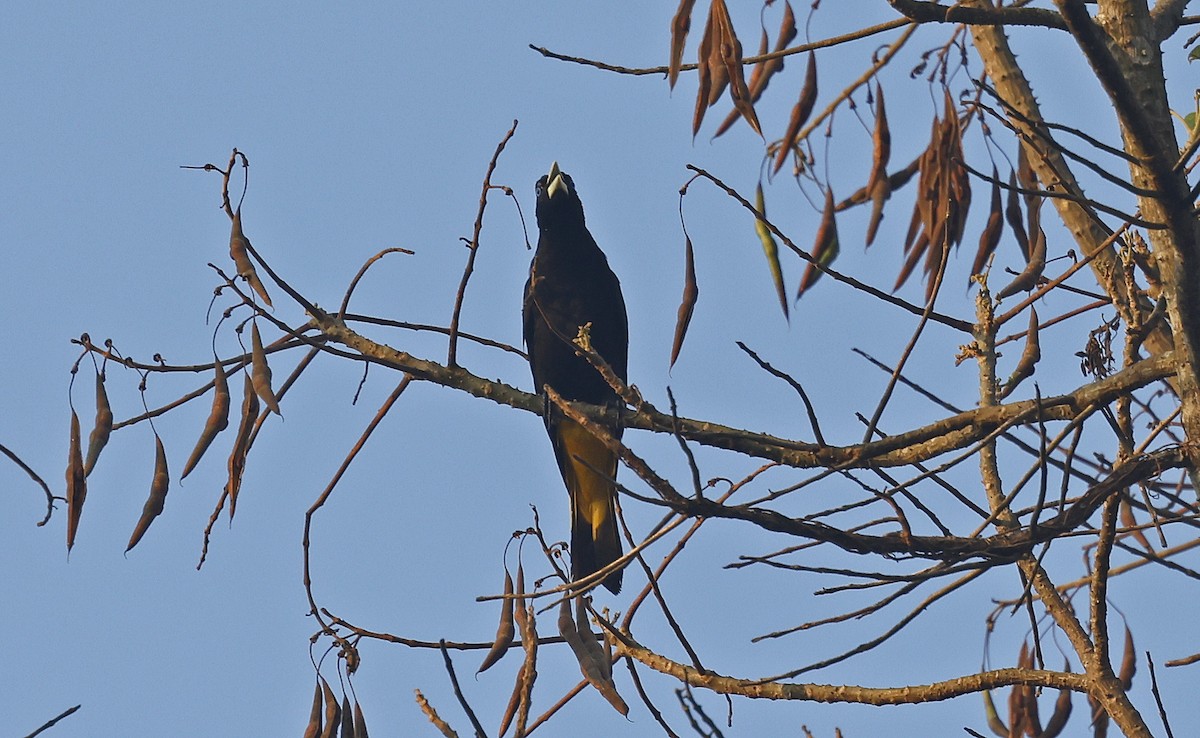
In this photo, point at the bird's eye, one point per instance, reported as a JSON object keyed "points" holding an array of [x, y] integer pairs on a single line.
{"points": [[541, 185]]}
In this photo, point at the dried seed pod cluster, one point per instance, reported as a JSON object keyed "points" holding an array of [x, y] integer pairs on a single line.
{"points": [[943, 198]]}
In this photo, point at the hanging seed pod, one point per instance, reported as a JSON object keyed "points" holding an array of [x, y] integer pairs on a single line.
{"points": [[1128, 661], [1029, 357], [705, 73], [1062, 712], [1012, 214], [825, 245], [218, 417], [1029, 277], [730, 49], [506, 630], [687, 304], [103, 427], [994, 722], [800, 113], [76, 482], [360, 723], [261, 375], [771, 249], [240, 253], [158, 494], [514, 702], [755, 77], [314, 718], [347, 718], [237, 457], [680, 25], [990, 238], [879, 185], [333, 711], [594, 649]]}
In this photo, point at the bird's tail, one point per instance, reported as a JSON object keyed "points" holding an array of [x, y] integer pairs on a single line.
{"points": [[588, 469]]}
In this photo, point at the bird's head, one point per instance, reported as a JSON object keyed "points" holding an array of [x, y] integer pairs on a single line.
{"points": [[558, 204]]}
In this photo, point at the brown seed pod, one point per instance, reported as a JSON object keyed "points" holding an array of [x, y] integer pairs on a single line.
{"points": [[347, 718], [825, 245], [360, 723], [687, 304], [241, 443], [1062, 712], [102, 428], [514, 701], [506, 630], [239, 251], [158, 494], [878, 183], [1012, 214], [680, 25], [731, 58], [990, 238], [800, 113], [333, 711], [704, 72], [76, 482], [1128, 661], [314, 718], [261, 375], [1032, 273], [1029, 357], [218, 417]]}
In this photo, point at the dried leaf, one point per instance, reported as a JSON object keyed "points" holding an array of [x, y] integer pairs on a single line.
{"points": [[241, 443], [76, 481], [218, 417], [680, 25], [825, 246], [102, 428], [771, 249], [360, 722], [505, 631], [333, 711], [800, 113], [261, 375], [158, 494], [314, 718], [990, 238], [687, 304], [879, 184], [347, 718], [239, 252]]}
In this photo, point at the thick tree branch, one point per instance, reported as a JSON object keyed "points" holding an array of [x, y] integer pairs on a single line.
{"points": [[977, 15], [949, 434]]}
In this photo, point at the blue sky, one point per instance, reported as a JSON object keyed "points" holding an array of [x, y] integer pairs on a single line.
{"points": [[368, 128]]}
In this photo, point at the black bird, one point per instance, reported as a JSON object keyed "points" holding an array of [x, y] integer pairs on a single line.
{"points": [[571, 285]]}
